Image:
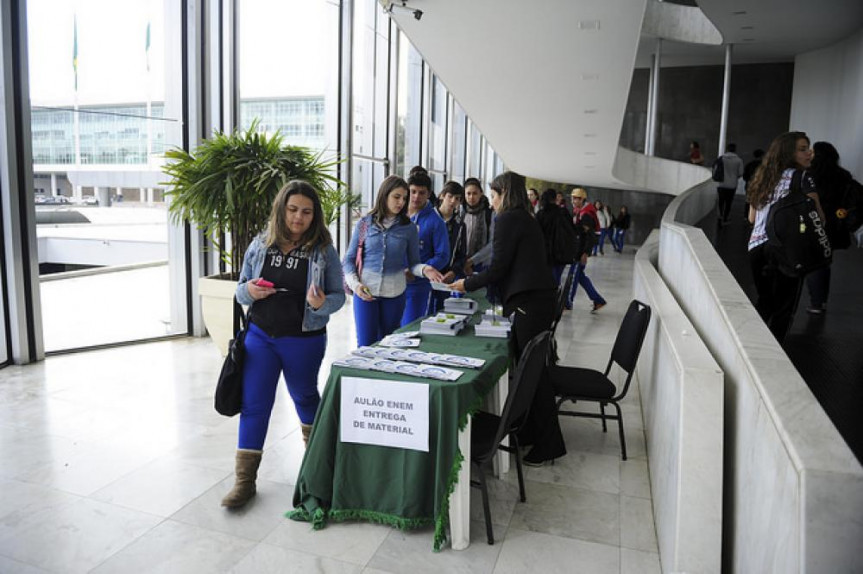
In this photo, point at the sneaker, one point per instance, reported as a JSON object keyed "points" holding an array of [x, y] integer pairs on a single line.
{"points": [[815, 309], [597, 307], [568, 307]]}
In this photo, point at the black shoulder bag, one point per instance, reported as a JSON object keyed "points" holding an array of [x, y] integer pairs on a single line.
{"points": [[229, 389]]}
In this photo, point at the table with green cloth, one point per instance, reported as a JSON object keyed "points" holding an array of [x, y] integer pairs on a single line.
{"points": [[401, 487]]}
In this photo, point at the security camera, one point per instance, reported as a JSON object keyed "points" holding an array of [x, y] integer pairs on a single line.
{"points": [[403, 7]]}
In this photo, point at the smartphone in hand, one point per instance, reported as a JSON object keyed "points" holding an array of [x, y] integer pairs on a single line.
{"points": [[264, 283]]}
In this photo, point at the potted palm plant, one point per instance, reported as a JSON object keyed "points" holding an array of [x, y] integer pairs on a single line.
{"points": [[226, 188]]}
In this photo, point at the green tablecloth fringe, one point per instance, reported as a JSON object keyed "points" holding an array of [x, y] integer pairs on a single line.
{"points": [[442, 520]]}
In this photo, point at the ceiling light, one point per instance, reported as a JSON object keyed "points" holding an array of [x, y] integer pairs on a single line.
{"points": [[747, 27], [588, 25], [590, 135], [739, 13], [589, 167], [590, 76], [590, 153], [591, 111]]}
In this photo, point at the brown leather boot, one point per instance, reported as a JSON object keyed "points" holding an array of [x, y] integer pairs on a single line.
{"points": [[244, 486], [306, 430]]}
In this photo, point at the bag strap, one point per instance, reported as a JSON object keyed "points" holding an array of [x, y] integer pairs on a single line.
{"points": [[797, 181], [239, 316]]}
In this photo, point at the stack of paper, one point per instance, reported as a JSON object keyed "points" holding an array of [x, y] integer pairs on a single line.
{"points": [[417, 356], [460, 305], [443, 324], [492, 326], [402, 368]]}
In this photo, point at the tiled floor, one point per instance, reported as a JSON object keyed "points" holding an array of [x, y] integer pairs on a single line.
{"points": [[114, 461]]}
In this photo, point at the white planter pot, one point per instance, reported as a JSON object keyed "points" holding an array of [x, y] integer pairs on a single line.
{"points": [[217, 308]]}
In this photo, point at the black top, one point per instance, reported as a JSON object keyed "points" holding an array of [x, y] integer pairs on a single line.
{"points": [[518, 262], [281, 314]]}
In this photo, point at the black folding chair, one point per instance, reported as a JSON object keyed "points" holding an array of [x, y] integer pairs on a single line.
{"points": [[489, 430], [578, 384]]}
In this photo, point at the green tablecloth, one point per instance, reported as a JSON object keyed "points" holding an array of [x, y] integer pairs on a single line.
{"points": [[404, 488]]}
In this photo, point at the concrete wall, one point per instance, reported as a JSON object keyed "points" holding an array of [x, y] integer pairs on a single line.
{"points": [[793, 491], [827, 101], [690, 101], [682, 402]]}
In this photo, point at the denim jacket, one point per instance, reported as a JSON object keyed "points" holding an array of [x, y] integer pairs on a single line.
{"points": [[385, 252], [324, 271]]}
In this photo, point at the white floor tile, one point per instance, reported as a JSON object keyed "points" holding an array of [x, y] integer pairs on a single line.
{"points": [[532, 551]]}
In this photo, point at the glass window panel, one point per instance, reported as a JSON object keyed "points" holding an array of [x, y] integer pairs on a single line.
{"points": [[459, 135], [101, 122], [288, 68], [437, 127], [409, 107], [475, 139]]}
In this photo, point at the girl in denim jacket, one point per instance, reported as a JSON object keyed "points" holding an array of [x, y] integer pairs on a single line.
{"points": [[388, 240], [292, 279]]}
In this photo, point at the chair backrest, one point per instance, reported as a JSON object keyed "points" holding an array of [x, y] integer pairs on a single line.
{"points": [[630, 337], [531, 367], [562, 291]]}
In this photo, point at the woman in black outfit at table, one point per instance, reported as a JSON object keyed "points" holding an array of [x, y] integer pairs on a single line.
{"points": [[520, 271]]}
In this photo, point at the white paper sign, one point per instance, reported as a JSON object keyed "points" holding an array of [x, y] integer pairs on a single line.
{"points": [[385, 413]]}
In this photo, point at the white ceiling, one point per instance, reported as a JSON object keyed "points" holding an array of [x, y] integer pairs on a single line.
{"points": [[547, 82]]}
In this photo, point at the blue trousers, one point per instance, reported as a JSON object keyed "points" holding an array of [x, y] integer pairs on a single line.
{"points": [[377, 319], [418, 296], [582, 279], [617, 238], [298, 359]]}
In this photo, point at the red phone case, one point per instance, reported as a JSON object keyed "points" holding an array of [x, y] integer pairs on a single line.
{"points": [[264, 283]]}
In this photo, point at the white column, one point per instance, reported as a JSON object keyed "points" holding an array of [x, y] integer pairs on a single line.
{"points": [[726, 92], [54, 184], [77, 192], [119, 194], [648, 124], [654, 96]]}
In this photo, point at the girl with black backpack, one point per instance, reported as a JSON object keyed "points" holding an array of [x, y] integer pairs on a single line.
{"points": [[778, 292]]}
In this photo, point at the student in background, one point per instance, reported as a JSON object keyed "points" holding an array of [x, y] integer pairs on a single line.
{"points": [[777, 293], [620, 225], [604, 230], [449, 209], [389, 239], [433, 245], [477, 216]]}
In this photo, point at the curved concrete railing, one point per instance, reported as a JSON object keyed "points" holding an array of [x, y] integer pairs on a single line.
{"points": [[679, 23], [657, 174], [682, 402], [793, 489]]}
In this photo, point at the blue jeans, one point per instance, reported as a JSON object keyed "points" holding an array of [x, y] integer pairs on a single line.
{"points": [[417, 304], [377, 319], [298, 359], [617, 238], [605, 232], [582, 279]]}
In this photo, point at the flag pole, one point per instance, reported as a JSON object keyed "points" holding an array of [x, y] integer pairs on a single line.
{"points": [[76, 121]]}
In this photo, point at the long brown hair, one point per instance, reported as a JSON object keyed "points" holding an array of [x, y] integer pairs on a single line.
{"points": [[511, 187], [379, 212], [317, 235], [779, 157]]}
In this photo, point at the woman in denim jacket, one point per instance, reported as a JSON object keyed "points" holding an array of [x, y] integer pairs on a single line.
{"points": [[388, 240], [292, 279]]}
